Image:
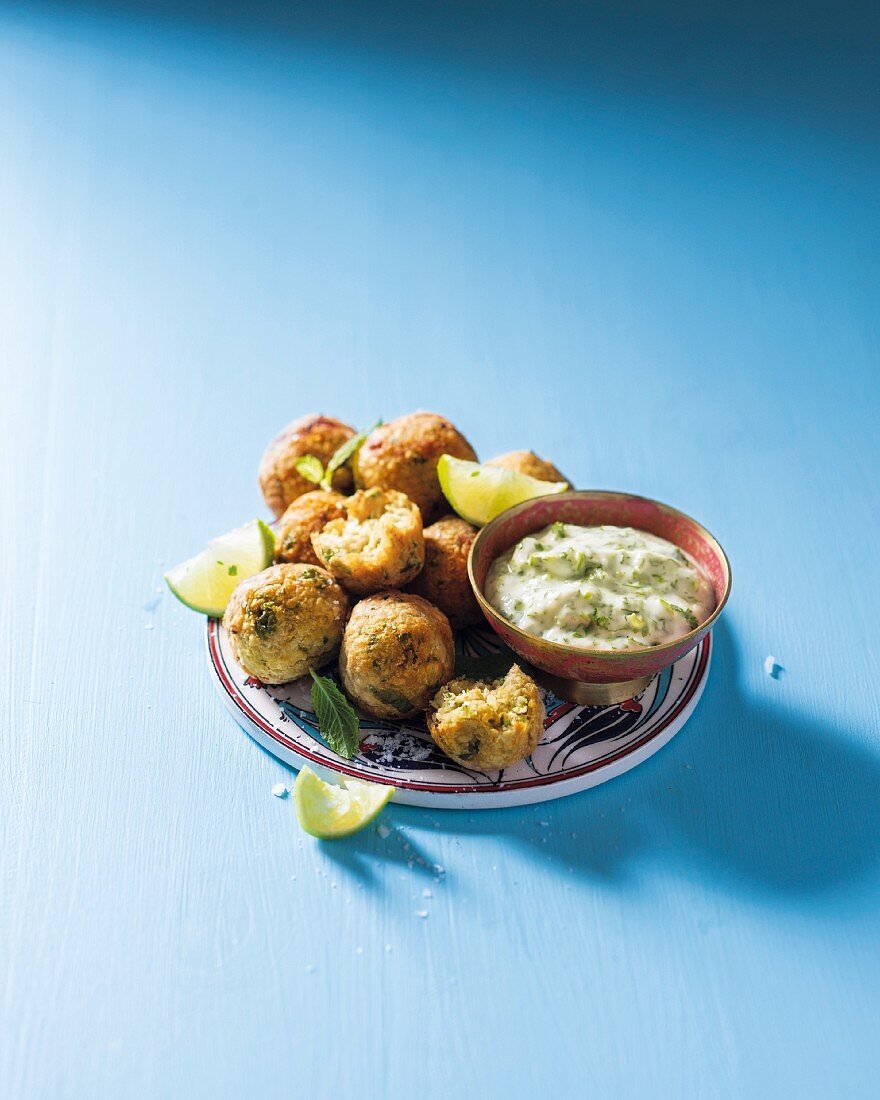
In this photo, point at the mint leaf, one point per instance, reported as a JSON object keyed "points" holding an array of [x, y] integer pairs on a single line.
{"points": [[344, 454], [337, 719], [310, 468]]}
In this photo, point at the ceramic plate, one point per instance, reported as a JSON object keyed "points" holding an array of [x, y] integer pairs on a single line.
{"points": [[581, 746]]}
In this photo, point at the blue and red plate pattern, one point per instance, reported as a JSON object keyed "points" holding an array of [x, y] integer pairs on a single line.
{"points": [[581, 746]]}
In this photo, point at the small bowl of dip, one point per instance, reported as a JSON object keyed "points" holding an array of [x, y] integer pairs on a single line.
{"points": [[598, 591]]}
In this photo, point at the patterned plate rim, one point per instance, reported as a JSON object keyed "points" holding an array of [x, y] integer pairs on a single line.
{"points": [[464, 795]]}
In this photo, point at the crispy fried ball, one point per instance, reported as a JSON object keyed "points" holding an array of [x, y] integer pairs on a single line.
{"points": [[444, 577], [286, 620], [403, 455], [377, 544], [396, 651], [315, 435], [307, 514], [527, 462], [488, 724]]}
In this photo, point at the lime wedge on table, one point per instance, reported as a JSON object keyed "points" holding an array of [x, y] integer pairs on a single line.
{"points": [[206, 581], [480, 493], [328, 811]]}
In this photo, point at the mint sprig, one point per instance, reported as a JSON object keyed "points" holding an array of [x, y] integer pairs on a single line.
{"points": [[344, 454], [337, 718], [312, 469]]}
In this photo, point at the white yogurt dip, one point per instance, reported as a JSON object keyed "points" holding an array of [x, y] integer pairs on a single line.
{"points": [[599, 587]]}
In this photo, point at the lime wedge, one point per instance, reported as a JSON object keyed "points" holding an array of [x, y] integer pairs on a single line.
{"points": [[480, 493], [206, 581], [328, 810]]}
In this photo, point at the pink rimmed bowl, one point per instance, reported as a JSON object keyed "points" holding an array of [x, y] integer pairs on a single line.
{"points": [[592, 676]]}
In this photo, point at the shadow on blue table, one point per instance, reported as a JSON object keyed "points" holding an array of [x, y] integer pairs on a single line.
{"points": [[806, 60], [748, 793]]}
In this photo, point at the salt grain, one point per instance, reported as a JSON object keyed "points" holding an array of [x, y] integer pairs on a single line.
{"points": [[421, 913], [383, 831], [279, 790], [772, 667]]}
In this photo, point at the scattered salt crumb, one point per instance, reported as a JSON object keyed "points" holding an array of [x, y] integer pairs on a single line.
{"points": [[310, 969], [421, 913], [387, 948], [358, 951], [439, 869], [544, 824], [772, 667], [280, 791], [149, 626], [426, 893], [383, 831]]}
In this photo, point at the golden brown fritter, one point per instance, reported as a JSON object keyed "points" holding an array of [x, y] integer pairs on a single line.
{"points": [[444, 576], [527, 462], [403, 455], [307, 514], [488, 724], [316, 435], [377, 544], [396, 651], [285, 621]]}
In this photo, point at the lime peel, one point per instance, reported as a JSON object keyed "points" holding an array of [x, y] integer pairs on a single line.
{"points": [[329, 811], [479, 493], [205, 583]]}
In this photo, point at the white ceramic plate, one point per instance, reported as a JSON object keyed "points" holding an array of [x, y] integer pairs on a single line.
{"points": [[581, 746]]}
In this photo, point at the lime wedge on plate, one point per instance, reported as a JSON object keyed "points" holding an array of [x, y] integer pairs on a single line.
{"points": [[328, 811], [480, 493], [206, 581]]}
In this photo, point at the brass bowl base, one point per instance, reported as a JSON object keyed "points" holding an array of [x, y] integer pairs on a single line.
{"points": [[592, 695]]}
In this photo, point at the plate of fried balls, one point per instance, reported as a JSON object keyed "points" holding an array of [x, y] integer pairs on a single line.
{"points": [[370, 585]]}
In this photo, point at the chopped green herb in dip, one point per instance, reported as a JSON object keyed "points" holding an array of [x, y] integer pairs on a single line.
{"points": [[599, 587]]}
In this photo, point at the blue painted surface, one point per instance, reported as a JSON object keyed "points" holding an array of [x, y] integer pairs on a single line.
{"points": [[646, 246]]}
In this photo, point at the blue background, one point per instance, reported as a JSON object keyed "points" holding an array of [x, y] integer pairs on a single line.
{"points": [[644, 243]]}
